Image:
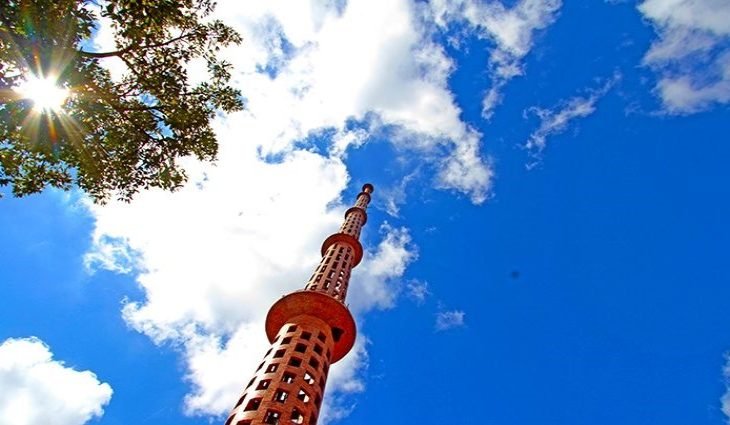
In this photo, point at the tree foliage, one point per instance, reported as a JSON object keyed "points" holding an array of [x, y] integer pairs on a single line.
{"points": [[117, 132]]}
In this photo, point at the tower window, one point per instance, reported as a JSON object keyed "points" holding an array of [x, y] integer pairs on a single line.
{"points": [[250, 382], [240, 401], [303, 396], [314, 363], [280, 396], [272, 417], [244, 422], [297, 417], [295, 362], [300, 348], [321, 337], [253, 404], [337, 333], [279, 353], [288, 378], [308, 378], [292, 328], [318, 349], [264, 384], [306, 335], [286, 340], [272, 368]]}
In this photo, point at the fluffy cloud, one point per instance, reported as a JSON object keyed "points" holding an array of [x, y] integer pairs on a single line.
{"points": [[449, 319], [692, 52], [36, 389], [375, 288], [511, 29], [556, 120], [308, 67]]}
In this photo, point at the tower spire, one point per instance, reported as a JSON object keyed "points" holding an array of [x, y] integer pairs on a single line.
{"points": [[309, 330]]}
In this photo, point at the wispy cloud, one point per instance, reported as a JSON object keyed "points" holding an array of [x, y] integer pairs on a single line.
{"points": [[692, 52], [417, 291], [449, 319], [555, 120], [725, 399], [512, 29], [395, 196], [35, 389]]}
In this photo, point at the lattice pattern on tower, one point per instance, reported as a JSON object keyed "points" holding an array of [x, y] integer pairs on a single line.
{"points": [[309, 330]]}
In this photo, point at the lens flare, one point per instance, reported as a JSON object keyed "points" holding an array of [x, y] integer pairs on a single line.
{"points": [[45, 93]]}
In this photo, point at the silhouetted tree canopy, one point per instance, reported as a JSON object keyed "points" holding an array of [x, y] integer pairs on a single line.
{"points": [[112, 136]]}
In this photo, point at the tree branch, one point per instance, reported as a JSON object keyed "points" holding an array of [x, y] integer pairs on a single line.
{"points": [[132, 47]]}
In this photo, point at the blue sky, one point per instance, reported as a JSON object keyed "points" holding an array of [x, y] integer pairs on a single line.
{"points": [[547, 240]]}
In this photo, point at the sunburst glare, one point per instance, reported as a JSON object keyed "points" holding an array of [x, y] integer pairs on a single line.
{"points": [[44, 92]]}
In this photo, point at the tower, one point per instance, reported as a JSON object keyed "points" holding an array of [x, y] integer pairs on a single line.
{"points": [[309, 330]]}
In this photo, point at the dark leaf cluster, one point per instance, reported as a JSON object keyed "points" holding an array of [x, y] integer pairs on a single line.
{"points": [[113, 136]]}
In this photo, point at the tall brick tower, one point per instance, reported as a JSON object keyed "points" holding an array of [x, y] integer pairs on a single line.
{"points": [[309, 330]]}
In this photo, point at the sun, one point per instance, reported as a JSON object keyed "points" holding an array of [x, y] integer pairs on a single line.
{"points": [[45, 93]]}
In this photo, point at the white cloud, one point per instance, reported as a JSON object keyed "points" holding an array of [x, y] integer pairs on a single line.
{"points": [[691, 54], [111, 254], [449, 319], [417, 291], [725, 399], [36, 389], [395, 196], [336, 68], [344, 381], [511, 29], [556, 120], [376, 277]]}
